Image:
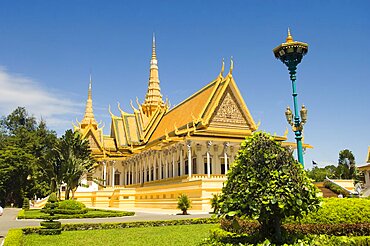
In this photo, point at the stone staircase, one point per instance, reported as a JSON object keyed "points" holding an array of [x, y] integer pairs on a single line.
{"points": [[325, 191]]}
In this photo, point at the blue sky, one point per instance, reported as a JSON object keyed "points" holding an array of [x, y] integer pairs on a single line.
{"points": [[48, 48]]}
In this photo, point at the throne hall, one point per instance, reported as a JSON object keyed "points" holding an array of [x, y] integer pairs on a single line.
{"points": [[156, 152]]}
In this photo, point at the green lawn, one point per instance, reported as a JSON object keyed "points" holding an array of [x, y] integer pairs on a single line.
{"points": [[92, 213], [162, 236]]}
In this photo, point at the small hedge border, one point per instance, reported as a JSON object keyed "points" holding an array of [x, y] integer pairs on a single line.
{"points": [[250, 227], [336, 188], [220, 237], [121, 225], [103, 214], [70, 211], [14, 238]]}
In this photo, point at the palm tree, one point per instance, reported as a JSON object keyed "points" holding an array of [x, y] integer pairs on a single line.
{"points": [[75, 158], [183, 203]]}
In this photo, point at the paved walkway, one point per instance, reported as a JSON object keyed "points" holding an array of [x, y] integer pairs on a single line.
{"points": [[8, 220]]}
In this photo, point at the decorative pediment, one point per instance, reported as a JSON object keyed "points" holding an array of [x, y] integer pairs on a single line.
{"points": [[229, 113], [93, 142]]}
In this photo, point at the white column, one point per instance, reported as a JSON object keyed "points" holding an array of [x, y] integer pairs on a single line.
{"points": [[160, 165], [166, 167], [173, 162], [181, 161], [136, 172], [113, 171], [154, 166], [188, 144], [124, 173], [150, 165], [129, 172], [209, 143], [104, 173], [226, 146]]}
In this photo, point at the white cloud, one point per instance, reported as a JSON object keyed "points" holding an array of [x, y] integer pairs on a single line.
{"points": [[18, 90]]}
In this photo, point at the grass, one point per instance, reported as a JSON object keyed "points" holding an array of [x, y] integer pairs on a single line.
{"points": [[91, 213], [166, 235]]}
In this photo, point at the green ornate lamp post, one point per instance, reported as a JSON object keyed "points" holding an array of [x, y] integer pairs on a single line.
{"points": [[291, 53]]}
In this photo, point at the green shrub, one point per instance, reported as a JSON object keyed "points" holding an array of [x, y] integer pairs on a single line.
{"points": [[91, 213], [266, 183], [183, 203], [338, 211], [53, 198], [220, 237], [336, 188], [70, 211], [51, 224], [50, 231], [26, 204], [100, 226], [215, 202], [71, 205], [253, 227], [21, 214], [14, 238], [51, 204]]}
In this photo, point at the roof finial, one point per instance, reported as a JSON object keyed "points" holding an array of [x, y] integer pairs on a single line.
{"points": [[90, 83], [231, 66], [221, 75], [289, 39], [154, 55]]}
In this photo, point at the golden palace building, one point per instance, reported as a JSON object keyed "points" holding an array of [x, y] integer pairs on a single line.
{"points": [[156, 153]]}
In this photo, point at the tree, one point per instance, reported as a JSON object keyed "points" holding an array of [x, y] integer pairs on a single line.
{"points": [[183, 203], [266, 183], [73, 159], [21, 145], [346, 165], [318, 174]]}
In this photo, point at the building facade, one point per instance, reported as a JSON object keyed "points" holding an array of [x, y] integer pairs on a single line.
{"points": [[157, 152]]}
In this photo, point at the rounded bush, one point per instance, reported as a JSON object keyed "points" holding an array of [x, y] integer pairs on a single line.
{"points": [[51, 224], [26, 204], [70, 211], [53, 198], [71, 205]]}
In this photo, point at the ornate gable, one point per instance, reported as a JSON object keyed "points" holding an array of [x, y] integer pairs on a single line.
{"points": [[93, 142], [228, 113]]}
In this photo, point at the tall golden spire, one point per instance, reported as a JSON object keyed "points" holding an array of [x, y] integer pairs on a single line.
{"points": [[153, 97], [89, 114]]}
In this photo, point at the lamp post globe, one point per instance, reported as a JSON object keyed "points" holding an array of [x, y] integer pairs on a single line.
{"points": [[291, 53]]}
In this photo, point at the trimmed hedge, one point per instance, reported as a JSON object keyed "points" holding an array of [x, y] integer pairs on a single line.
{"points": [[338, 211], [220, 237], [26, 204], [336, 188], [71, 205], [95, 213], [56, 231], [67, 207], [250, 227], [14, 238], [21, 214], [120, 225], [51, 224], [70, 211]]}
